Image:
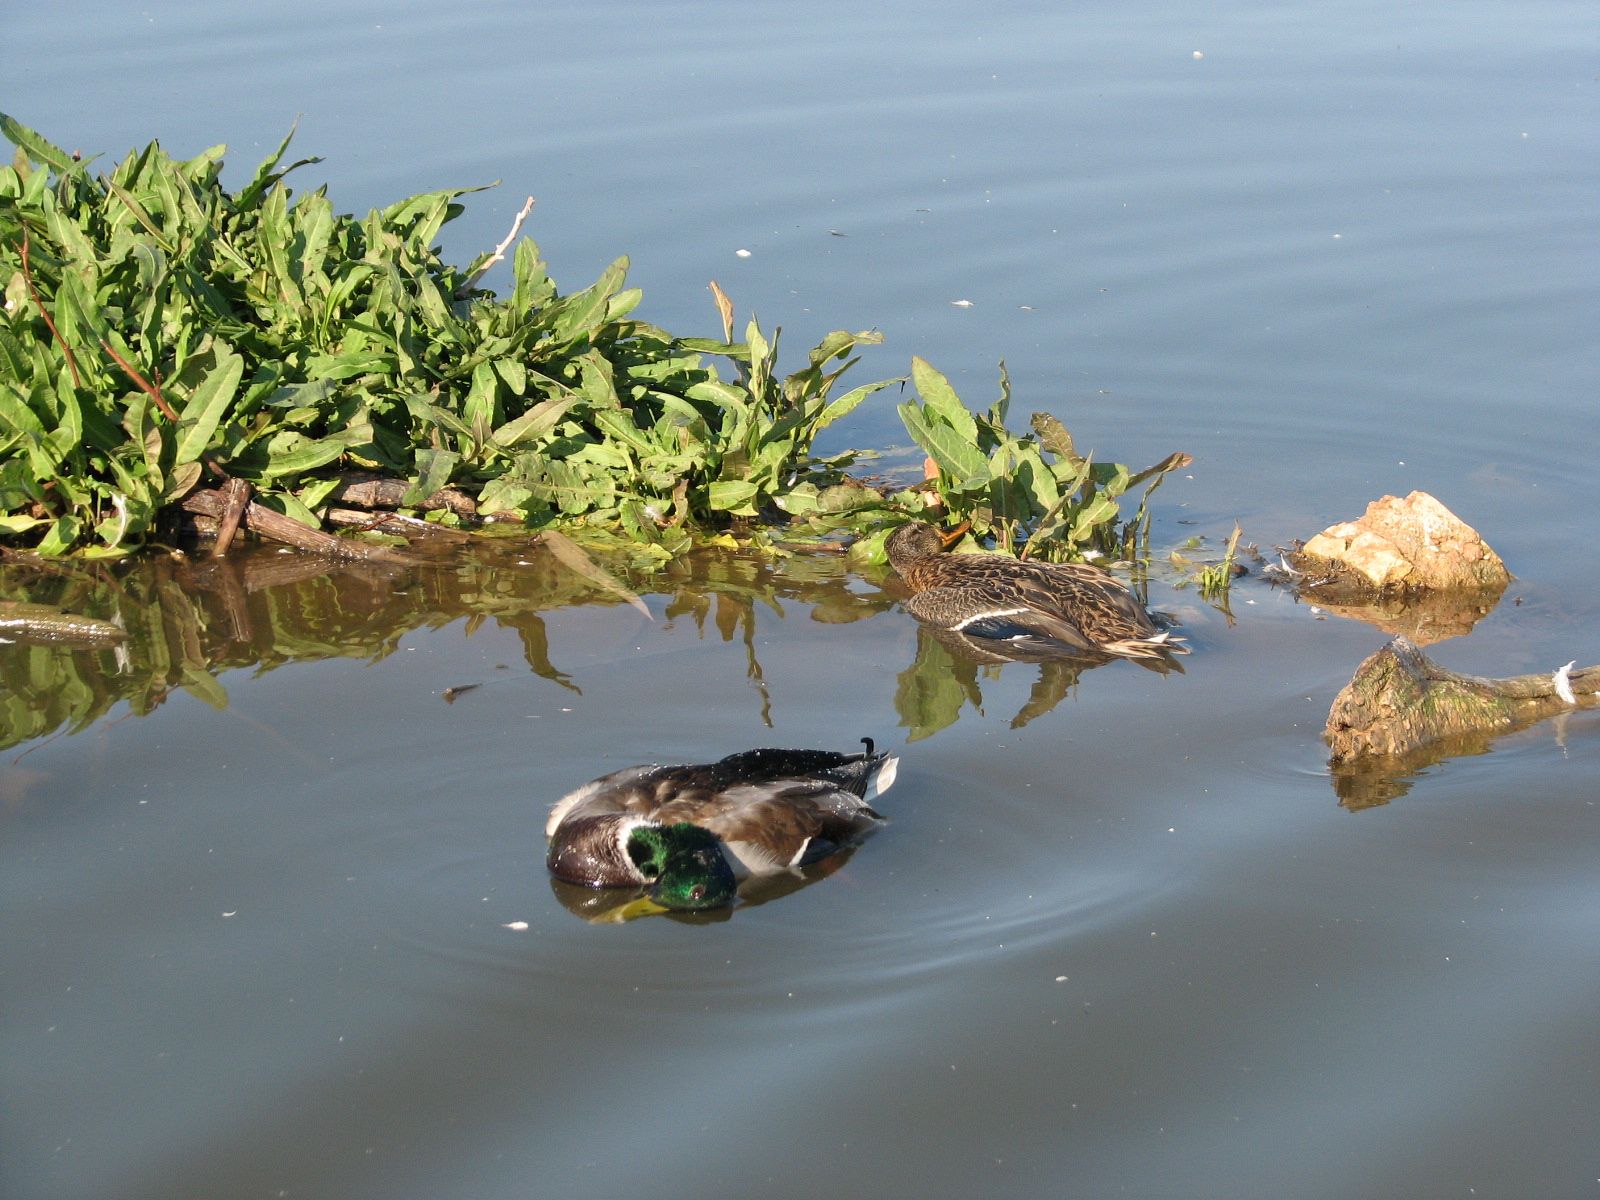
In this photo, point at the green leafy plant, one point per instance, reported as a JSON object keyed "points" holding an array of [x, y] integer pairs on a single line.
{"points": [[1214, 580], [161, 335], [160, 332], [1033, 493]]}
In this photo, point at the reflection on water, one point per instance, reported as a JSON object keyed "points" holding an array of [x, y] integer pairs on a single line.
{"points": [[1370, 780], [1375, 779], [188, 620], [613, 906], [1425, 618], [949, 665]]}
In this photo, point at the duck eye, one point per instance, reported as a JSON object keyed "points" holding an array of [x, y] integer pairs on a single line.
{"points": [[697, 892]]}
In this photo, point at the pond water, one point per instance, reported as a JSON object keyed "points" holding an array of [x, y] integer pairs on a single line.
{"points": [[277, 921]]}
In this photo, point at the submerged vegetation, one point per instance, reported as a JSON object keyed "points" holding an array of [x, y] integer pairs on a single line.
{"points": [[163, 338]]}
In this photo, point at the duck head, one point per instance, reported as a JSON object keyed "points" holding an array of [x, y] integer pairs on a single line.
{"points": [[917, 540], [683, 865]]}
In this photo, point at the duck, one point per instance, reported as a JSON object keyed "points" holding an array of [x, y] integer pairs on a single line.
{"points": [[689, 834], [1075, 607]]}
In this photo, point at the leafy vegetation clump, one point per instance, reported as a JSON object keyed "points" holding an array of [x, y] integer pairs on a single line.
{"points": [[162, 335]]}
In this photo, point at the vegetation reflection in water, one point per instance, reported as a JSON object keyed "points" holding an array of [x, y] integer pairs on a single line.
{"points": [[189, 620]]}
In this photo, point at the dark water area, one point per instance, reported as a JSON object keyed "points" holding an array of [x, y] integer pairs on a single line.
{"points": [[277, 918]]}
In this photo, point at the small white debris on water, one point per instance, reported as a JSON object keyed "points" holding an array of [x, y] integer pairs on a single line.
{"points": [[519, 926], [742, 252], [1061, 978], [961, 303], [1563, 683], [1198, 55], [234, 913]]}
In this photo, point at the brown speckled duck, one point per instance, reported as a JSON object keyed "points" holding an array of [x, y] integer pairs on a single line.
{"points": [[688, 834], [1078, 607]]}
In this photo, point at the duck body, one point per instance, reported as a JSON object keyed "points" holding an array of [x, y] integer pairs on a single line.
{"points": [[755, 813], [1077, 607]]}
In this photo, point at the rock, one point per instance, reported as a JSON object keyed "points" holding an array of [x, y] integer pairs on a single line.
{"points": [[1413, 544]]}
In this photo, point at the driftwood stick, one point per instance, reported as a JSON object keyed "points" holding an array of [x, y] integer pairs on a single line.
{"points": [[499, 254], [378, 491], [236, 498], [394, 523], [1400, 700], [279, 528]]}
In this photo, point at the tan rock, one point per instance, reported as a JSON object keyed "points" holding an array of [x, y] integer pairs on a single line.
{"points": [[1402, 545]]}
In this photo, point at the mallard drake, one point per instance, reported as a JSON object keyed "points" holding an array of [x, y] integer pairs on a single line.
{"points": [[1078, 607], [688, 834]]}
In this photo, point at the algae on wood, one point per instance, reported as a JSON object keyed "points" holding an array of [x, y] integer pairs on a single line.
{"points": [[1400, 701]]}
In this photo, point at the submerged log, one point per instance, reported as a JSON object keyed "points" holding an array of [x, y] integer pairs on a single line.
{"points": [[1400, 700]]}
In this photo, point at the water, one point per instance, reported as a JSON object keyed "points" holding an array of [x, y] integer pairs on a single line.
{"points": [[1120, 937]]}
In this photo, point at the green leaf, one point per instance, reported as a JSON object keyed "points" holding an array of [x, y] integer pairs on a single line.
{"points": [[850, 401], [535, 424], [732, 496], [937, 393], [434, 468], [582, 313], [957, 458], [36, 147], [207, 405]]}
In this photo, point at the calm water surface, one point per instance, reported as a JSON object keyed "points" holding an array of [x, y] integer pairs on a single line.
{"points": [[1121, 936]]}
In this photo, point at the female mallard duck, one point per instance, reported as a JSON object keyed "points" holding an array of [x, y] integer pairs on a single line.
{"points": [[1077, 606], [688, 834]]}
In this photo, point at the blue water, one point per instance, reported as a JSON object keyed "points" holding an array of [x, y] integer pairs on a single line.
{"points": [[1134, 947]]}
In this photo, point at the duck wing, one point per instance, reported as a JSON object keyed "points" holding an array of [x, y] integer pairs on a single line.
{"points": [[632, 792], [783, 823], [1078, 605], [663, 793]]}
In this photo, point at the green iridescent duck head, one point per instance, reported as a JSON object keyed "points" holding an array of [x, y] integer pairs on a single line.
{"points": [[683, 865]]}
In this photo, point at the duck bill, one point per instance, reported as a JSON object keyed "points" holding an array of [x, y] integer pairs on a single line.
{"points": [[643, 906], [955, 535]]}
